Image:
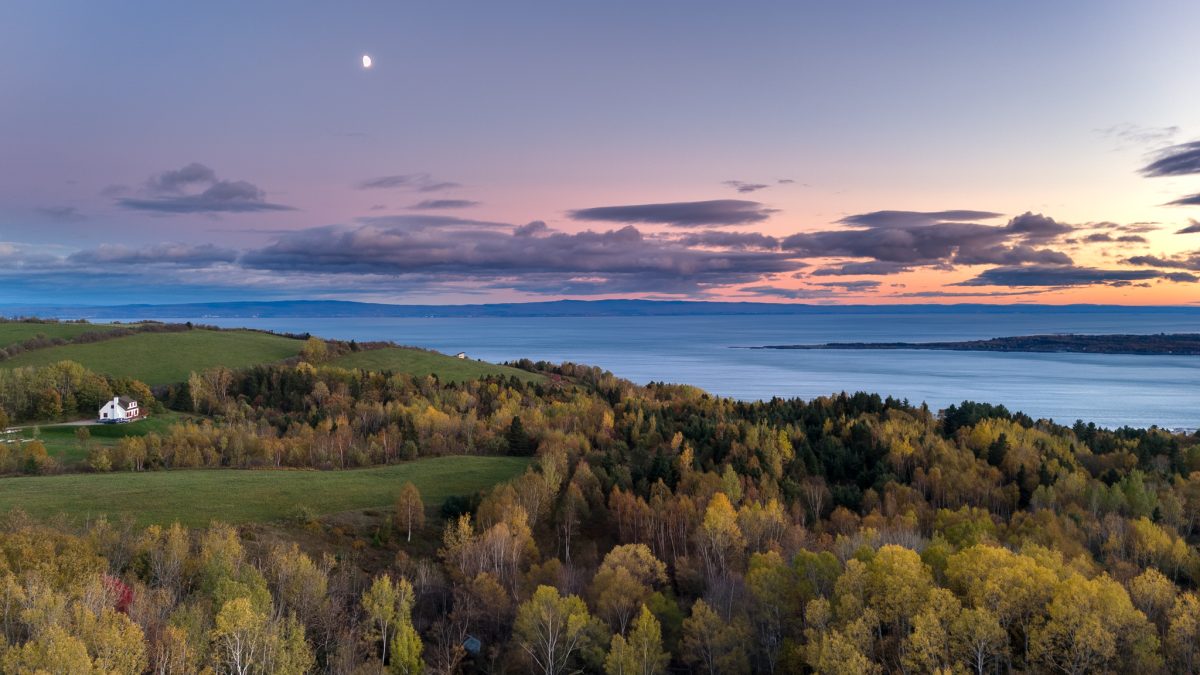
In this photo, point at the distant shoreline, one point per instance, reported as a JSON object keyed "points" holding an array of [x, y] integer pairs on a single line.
{"points": [[1179, 344], [312, 309]]}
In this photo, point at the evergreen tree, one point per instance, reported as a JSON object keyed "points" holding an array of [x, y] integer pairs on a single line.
{"points": [[519, 442], [997, 450]]}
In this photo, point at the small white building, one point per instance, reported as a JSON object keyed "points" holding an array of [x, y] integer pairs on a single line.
{"points": [[460, 355], [120, 409]]}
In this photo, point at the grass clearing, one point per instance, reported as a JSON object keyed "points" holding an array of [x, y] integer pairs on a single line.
{"points": [[196, 497], [12, 332], [164, 358], [419, 362], [60, 440]]}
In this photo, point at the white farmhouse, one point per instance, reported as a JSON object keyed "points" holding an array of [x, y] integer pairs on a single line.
{"points": [[120, 409]]}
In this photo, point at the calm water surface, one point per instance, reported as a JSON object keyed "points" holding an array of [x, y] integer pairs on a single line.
{"points": [[1110, 390]]}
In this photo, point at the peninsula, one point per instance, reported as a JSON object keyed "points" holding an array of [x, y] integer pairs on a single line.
{"points": [[1178, 344]]}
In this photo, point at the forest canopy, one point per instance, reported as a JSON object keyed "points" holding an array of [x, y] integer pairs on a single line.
{"points": [[659, 528]]}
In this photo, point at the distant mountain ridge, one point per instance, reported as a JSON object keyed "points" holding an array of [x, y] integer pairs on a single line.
{"points": [[557, 308]]}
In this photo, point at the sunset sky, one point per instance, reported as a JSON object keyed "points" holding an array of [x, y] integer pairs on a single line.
{"points": [[825, 152]]}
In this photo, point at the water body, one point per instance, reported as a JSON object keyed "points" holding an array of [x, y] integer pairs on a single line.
{"points": [[1110, 390]]}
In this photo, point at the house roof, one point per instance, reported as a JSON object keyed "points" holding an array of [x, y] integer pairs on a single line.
{"points": [[125, 401]]}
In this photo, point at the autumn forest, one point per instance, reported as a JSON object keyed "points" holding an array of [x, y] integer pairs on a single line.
{"points": [[656, 529]]}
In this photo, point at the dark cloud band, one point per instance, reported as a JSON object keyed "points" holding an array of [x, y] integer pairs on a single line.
{"points": [[532, 257], [915, 218], [1190, 200], [745, 187], [680, 214], [1041, 275], [1177, 160], [173, 192], [430, 204], [420, 182], [898, 240], [193, 255]]}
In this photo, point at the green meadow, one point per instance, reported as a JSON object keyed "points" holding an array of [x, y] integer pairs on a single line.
{"points": [[164, 358], [61, 443], [196, 497], [420, 362], [12, 332]]}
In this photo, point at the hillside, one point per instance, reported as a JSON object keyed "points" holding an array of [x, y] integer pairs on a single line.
{"points": [[167, 357], [420, 362], [13, 332], [163, 358], [196, 497], [62, 444]]}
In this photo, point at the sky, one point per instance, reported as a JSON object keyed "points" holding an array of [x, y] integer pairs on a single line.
{"points": [[817, 152]]}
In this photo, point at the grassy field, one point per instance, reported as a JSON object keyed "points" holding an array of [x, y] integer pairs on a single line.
{"points": [[196, 497], [61, 444], [163, 358], [418, 362], [12, 332]]}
